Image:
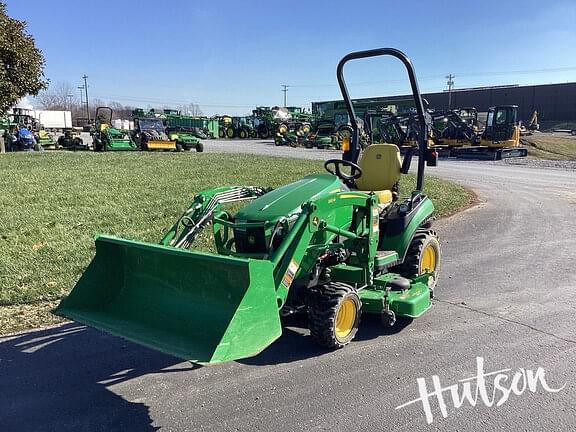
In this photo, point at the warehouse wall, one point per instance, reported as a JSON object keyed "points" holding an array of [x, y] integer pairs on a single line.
{"points": [[554, 102]]}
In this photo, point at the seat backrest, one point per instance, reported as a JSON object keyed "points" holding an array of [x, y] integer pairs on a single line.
{"points": [[381, 167]]}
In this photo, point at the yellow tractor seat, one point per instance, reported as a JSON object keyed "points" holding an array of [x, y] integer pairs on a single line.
{"points": [[381, 169]]}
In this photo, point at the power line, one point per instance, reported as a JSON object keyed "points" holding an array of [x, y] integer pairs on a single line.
{"points": [[439, 77]]}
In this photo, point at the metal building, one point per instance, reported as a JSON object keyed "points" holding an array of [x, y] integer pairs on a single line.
{"points": [[555, 103]]}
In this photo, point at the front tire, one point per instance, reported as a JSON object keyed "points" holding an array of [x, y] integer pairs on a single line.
{"points": [[423, 256], [334, 315], [199, 148]]}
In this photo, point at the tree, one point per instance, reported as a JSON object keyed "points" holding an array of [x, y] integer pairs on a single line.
{"points": [[59, 96], [21, 62], [191, 109]]}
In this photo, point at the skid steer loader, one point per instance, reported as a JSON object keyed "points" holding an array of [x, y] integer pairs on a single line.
{"points": [[331, 245]]}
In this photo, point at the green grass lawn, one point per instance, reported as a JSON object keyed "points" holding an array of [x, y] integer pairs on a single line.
{"points": [[52, 205], [552, 147]]}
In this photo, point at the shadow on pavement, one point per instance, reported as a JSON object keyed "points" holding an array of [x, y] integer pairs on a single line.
{"points": [[57, 379], [296, 344]]}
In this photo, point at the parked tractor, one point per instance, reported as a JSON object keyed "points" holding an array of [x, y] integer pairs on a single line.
{"points": [[107, 138], [329, 246], [225, 127]]}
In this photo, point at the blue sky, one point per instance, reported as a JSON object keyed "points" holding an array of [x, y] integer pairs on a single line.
{"points": [[229, 56]]}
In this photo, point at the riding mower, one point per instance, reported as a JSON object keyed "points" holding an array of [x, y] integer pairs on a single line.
{"points": [[331, 246], [45, 139], [107, 138], [71, 140]]}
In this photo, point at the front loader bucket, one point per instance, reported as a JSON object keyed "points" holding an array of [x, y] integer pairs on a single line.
{"points": [[200, 307]]}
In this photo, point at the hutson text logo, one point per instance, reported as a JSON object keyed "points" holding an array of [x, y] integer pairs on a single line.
{"points": [[489, 388]]}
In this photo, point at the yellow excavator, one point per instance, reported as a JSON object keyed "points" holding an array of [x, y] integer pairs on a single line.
{"points": [[500, 139]]}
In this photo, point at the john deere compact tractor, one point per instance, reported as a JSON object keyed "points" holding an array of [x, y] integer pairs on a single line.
{"points": [[107, 138], [331, 246]]}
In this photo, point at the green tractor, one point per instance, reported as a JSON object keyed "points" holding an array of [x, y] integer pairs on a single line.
{"points": [[226, 128], [264, 121], [244, 127], [107, 138], [331, 246]]}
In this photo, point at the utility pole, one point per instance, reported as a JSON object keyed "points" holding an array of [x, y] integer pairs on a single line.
{"points": [[86, 90], [81, 88], [450, 83], [285, 90], [69, 98]]}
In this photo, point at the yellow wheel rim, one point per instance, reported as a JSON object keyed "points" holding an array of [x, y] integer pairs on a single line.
{"points": [[429, 260], [345, 318]]}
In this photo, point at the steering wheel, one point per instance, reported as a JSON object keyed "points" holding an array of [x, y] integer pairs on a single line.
{"points": [[356, 170]]}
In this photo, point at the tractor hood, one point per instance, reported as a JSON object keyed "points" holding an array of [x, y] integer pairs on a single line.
{"points": [[288, 199]]}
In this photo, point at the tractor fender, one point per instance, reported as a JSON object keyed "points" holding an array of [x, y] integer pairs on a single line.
{"points": [[400, 228]]}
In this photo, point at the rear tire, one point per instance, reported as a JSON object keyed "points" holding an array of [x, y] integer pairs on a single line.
{"points": [[423, 256], [179, 147], [334, 315], [199, 148], [230, 132], [263, 132]]}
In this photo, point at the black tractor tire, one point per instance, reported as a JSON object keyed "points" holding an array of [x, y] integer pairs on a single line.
{"points": [[416, 256], [243, 134], [263, 132], [253, 134], [179, 147], [199, 148], [345, 130], [325, 313], [230, 132], [221, 133]]}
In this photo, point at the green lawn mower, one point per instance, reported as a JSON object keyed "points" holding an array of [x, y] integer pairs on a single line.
{"points": [[331, 246], [71, 140], [107, 138]]}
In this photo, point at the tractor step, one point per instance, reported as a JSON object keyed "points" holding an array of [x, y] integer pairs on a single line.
{"points": [[385, 259], [412, 302]]}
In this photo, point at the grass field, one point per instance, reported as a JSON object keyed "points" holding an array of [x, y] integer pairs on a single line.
{"points": [[52, 205], [551, 146]]}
